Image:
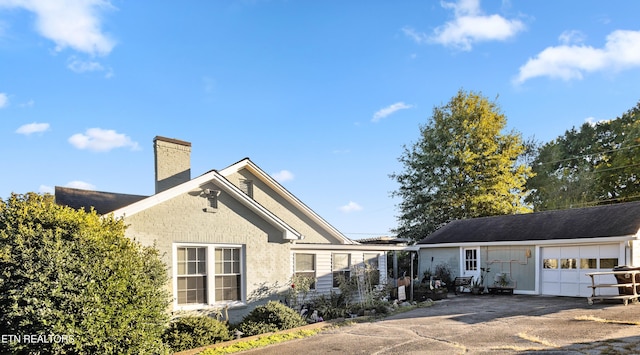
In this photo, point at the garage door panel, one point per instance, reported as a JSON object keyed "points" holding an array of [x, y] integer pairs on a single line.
{"points": [[564, 268]]}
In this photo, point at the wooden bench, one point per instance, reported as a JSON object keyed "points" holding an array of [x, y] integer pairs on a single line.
{"points": [[462, 282]]}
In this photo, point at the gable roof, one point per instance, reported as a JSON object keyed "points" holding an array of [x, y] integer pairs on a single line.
{"points": [[212, 176], [622, 219], [102, 202], [247, 164]]}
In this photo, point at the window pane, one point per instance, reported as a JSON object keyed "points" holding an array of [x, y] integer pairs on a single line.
{"points": [[182, 254], [182, 268], [305, 262], [201, 254], [191, 268], [568, 263], [608, 263], [550, 263], [588, 263], [227, 254], [371, 260], [191, 253], [340, 261]]}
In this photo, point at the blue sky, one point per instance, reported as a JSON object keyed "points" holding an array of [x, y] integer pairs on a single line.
{"points": [[321, 94]]}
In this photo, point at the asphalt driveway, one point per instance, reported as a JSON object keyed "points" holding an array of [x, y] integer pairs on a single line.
{"points": [[496, 324]]}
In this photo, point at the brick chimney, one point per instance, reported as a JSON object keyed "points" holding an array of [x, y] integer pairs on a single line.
{"points": [[173, 162]]}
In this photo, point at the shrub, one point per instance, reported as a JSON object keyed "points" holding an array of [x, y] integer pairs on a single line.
{"points": [[195, 331], [270, 317], [71, 273]]}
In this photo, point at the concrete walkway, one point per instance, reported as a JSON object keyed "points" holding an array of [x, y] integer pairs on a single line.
{"points": [[487, 324]]}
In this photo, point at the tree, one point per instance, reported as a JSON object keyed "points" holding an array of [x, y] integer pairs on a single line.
{"points": [[596, 164], [463, 166], [71, 282]]}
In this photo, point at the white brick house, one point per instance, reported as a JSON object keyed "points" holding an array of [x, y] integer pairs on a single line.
{"points": [[231, 238]]}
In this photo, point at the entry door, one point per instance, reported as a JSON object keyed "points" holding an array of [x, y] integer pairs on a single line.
{"points": [[471, 262]]}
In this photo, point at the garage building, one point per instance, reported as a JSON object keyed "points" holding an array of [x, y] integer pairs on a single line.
{"points": [[547, 253]]}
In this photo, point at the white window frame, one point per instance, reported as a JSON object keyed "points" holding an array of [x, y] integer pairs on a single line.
{"points": [[340, 270], [211, 276], [314, 270]]}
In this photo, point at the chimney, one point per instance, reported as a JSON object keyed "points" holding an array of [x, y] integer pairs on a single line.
{"points": [[173, 162]]}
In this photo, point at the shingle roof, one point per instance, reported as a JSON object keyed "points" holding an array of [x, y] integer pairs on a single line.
{"points": [[602, 221], [102, 202]]}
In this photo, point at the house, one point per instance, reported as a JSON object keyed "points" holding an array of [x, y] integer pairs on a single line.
{"points": [[231, 238], [545, 253]]}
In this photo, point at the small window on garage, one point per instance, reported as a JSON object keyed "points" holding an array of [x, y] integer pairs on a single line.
{"points": [[608, 263], [591, 263], [568, 264], [550, 263]]}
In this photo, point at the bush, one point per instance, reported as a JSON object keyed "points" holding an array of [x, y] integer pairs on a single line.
{"points": [[195, 331], [69, 273], [270, 317]]}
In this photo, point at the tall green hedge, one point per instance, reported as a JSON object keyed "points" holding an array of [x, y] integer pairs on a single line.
{"points": [[71, 282]]}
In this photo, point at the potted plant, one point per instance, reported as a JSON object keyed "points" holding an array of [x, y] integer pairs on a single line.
{"points": [[476, 285]]}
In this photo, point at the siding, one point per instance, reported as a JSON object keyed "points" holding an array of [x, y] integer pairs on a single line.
{"points": [[313, 233]]}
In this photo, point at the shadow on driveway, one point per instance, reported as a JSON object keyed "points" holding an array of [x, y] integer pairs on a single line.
{"points": [[487, 324]]}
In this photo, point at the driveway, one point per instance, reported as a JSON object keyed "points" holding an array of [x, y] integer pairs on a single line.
{"points": [[496, 324]]}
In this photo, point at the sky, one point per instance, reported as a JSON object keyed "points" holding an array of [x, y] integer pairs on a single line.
{"points": [[322, 95]]}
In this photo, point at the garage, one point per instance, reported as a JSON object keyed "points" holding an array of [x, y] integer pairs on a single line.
{"points": [[564, 268]]}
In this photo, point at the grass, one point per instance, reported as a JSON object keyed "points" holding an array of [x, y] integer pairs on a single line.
{"points": [[260, 342]]}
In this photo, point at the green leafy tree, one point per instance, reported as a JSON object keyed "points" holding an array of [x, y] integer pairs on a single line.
{"points": [[463, 166], [596, 164], [71, 278]]}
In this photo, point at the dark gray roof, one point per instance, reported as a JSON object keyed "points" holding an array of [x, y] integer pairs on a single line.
{"points": [[602, 221], [102, 202]]}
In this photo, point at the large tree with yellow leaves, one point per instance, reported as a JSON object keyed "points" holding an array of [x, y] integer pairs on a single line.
{"points": [[463, 166]]}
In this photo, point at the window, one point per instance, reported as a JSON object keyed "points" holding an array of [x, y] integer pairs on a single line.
{"points": [[341, 268], [305, 266], [550, 263], [227, 274], [372, 268], [208, 274], [590, 263], [471, 259], [568, 264], [608, 263], [192, 276], [247, 187]]}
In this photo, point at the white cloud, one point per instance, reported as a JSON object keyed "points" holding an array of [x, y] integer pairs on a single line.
{"points": [[592, 121], [350, 207], [69, 23], [84, 66], [469, 26], [101, 140], [76, 184], [31, 128], [4, 100], [567, 62], [283, 176], [571, 37], [384, 112]]}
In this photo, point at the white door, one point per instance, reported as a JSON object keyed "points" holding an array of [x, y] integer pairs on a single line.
{"points": [[564, 269], [471, 262]]}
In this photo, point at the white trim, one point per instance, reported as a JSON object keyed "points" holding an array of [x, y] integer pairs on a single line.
{"points": [[543, 242], [288, 232], [352, 247], [273, 184], [211, 303]]}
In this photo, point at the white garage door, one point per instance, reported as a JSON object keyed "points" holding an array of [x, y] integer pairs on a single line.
{"points": [[564, 268]]}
